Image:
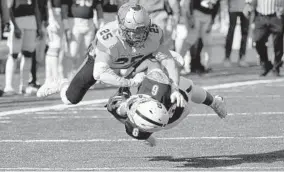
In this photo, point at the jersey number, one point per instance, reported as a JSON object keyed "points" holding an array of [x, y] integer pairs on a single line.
{"points": [[155, 90], [154, 28], [127, 60], [82, 3], [106, 34], [135, 132]]}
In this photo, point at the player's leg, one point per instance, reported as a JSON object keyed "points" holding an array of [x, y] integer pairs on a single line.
{"points": [[74, 92], [28, 47], [199, 95], [182, 46], [207, 40], [14, 45], [51, 60], [75, 44]]}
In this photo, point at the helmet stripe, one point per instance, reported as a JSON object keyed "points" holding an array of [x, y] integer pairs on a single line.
{"points": [[147, 119]]}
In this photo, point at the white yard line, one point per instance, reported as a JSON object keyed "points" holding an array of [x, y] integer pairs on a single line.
{"points": [[144, 169], [51, 115], [62, 106], [134, 140]]}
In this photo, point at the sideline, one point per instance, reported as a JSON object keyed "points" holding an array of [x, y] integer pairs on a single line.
{"points": [[62, 106]]}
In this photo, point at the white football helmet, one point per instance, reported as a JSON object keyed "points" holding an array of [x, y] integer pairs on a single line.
{"points": [[134, 23], [147, 113]]}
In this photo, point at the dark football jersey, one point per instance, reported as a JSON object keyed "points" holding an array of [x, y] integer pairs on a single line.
{"points": [[56, 3], [22, 8], [81, 8], [162, 93]]}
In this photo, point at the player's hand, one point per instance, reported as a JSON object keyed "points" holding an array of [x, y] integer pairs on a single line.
{"points": [[40, 33], [18, 32], [138, 78], [191, 21], [101, 23], [53, 26], [177, 97], [68, 35], [151, 141], [247, 10]]}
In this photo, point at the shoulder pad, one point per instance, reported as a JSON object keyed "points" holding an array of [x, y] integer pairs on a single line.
{"points": [[106, 37]]}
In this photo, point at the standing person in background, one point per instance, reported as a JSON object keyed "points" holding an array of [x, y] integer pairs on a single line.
{"points": [[5, 25], [182, 44], [268, 20], [203, 13], [41, 46], [236, 8], [165, 14], [55, 30], [26, 26], [81, 27]]}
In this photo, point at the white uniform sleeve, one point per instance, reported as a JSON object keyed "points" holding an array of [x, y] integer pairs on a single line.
{"points": [[102, 72]]}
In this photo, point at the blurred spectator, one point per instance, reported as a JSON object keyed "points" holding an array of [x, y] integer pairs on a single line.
{"points": [[26, 24], [183, 28], [82, 27], [236, 8], [41, 46], [55, 33], [198, 18], [268, 20], [165, 14], [5, 25], [203, 14]]}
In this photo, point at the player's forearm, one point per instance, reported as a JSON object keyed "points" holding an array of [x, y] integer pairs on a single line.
{"points": [[174, 4], [172, 69], [102, 72], [12, 18], [37, 15], [100, 12]]}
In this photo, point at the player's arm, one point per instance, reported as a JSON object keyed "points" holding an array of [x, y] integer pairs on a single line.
{"points": [[103, 72], [38, 17], [100, 12], [64, 12], [12, 17], [174, 4], [164, 56]]}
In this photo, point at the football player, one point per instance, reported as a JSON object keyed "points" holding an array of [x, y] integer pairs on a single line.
{"points": [[26, 26], [55, 31], [152, 110], [81, 16], [120, 44]]}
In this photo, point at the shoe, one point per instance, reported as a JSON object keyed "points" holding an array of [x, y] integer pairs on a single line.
{"points": [[266, 68], [30, 90], [9, 92], [50, 88], [227, 63], [34, 84], [276, 68], [243, 63], [219, 106], [22, 90], [185, 71]]}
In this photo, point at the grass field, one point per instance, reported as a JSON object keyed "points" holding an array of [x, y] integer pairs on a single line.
{"points": [[44, 135]]}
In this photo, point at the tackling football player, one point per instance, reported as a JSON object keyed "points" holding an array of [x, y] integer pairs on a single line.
{"points": [[151, 109], [118, 45]]}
